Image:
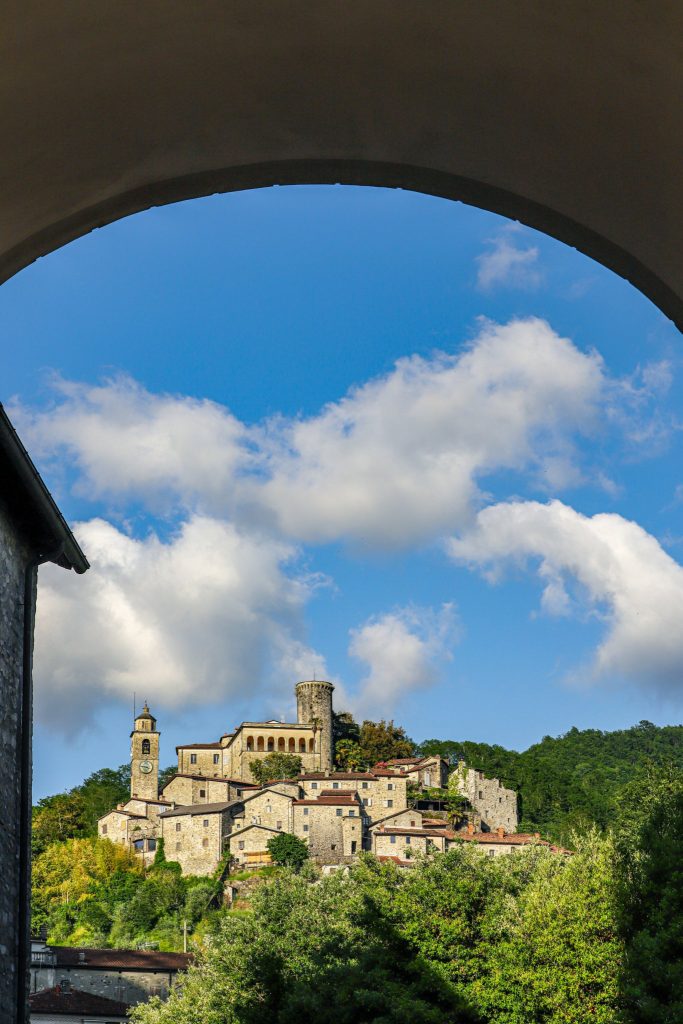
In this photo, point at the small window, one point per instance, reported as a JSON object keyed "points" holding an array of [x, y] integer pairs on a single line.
{"points": [[412, 824], [177, 826], [368, 802], [339, 812], [151, 844], [205, 823], [241, 844], [333, 846], [352, 813], [408, 838], [365, 801], [335, 785], [492, 853], [314, 785], [193, 758], [305, 812], [139, 844], [104, 830], [205, 843], [268, 809], [481, 795], [145, 747], [216, 758], [363, 785], [202, 792], [305, 828], [278, 826], [500, 799], [390, 803], [390, 785], [177, 846], [353, 846], [392, 839]]}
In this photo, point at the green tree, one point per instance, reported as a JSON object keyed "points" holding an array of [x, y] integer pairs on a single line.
{"points": [[344, 727], [382, 740], [348, 756], [288, 850], [57, 818], [324, 951], [275, 766], [650, 843]]}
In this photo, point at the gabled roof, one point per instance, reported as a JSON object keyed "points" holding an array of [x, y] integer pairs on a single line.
{"points": [[31, 505], [333, 798], [120, 959], [199, 809], [429, 832], [245, 828], [199, 746], [76, 1003], [394, 814], [263, 791]]}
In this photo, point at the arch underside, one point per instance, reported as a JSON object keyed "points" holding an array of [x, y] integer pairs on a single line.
{"points": [[565, 117]]}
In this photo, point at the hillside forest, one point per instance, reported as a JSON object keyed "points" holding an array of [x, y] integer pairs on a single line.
{"points": [[530, 939]]}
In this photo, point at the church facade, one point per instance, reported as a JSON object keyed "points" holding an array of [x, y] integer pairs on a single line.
{"points": [[212, 811]]}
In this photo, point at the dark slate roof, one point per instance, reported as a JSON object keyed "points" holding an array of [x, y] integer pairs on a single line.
{"points": [[31, 505], [120, 959], [199, 746], [75, 1002], [199, 809]]}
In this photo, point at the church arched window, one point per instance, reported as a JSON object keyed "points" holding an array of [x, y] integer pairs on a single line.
{"points": [[271, 743], [292, 745], [145, 747], [250, 742], [302, 746], [259, 743], [281, 743]]}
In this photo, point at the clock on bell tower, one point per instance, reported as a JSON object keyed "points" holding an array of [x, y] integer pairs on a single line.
{"points": [[144, 757]]}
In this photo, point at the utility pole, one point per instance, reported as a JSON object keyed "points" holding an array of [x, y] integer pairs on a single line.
{"points": [[185, 936]]}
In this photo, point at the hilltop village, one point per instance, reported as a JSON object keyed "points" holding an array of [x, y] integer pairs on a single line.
{"points": [[213, 810]]}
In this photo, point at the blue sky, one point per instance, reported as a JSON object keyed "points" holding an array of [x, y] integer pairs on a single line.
{"points": [[362, 432]]}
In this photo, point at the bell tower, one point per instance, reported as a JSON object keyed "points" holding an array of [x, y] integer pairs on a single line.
{"points": [[144, 757]]}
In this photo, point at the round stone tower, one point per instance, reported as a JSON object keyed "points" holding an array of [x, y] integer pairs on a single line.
{"points": [[314, 708]]}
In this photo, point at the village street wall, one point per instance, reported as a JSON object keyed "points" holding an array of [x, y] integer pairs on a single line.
{"points": [[496, 804], [269, 808], [252, 841], [380, 794]]}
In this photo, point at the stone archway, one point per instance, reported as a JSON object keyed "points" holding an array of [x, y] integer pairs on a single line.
{"points": [[545, 113]]}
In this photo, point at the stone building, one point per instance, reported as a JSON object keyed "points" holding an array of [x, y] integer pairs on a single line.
{"points": [[429, 772], [496, 804], [211, 807], [125, 975], [197, 836], [380, 791], [310, 737], [333, 824], [32, 532]]}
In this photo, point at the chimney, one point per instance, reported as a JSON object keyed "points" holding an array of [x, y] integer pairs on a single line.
{"points": [[500, 832], [470, 829]]}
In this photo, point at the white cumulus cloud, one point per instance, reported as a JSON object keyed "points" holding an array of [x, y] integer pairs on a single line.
{"points": [[507, 264], [198, 619], [398, 460], [622, 573], [404, 651]]}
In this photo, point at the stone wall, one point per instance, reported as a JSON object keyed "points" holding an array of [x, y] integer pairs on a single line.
{"points": [[185, 790], [332, 838], [251, 840], [380, 794], [125, 986], [314, 707], [14, 556], [267, 807], [496, 804], [196, 841]]}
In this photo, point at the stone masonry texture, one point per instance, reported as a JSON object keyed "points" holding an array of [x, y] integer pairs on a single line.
{"points": [[14, 555]]}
